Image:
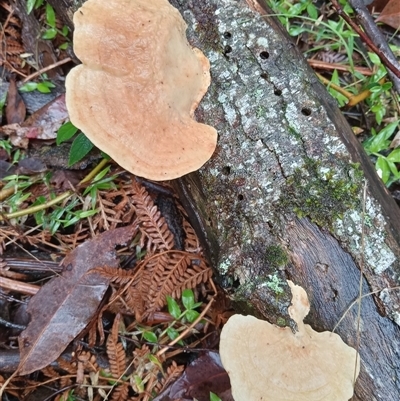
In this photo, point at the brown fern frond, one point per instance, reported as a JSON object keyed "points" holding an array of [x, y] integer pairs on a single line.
{"points": [[11, 45], [117, 302], [194, 275], [88, 361], [146, 282], [172, 374], [192, 243], [165, 278], [115, 275], [116, 356], [115, 351], [139, 354], [12, 32], [120, 393], [159, 275], [152, 224], [68, 366], [71, 241], [113, 210], [134, 302], [65, 381], [173, 272], [48, 371]]}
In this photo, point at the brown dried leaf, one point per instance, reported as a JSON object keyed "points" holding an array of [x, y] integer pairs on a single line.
{"points": [[15, 109], [45, 122], [203, 375], [63, 307], [390, 15]]}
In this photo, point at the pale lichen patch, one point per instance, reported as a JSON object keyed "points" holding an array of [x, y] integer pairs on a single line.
{"points": [[376, 253]]}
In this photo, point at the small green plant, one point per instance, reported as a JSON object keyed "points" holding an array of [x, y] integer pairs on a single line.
{"points": [[62, 215], [33, 5], [51, 30], [380, 92], [43, 86], [100, 183], [182, 317], [377, 145], [69, 397], [19, 183], [214, 397], [189, 314], [6, 145], [81, 144]]}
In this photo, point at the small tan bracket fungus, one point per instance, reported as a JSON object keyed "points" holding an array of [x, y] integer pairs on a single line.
{"points": [[269, 363], [135, 93]]}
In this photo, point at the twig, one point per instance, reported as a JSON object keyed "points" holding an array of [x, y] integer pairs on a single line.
{"points": [[353, 99], [360, 286], [95, 171], [11, 325], [38, 208], [185, 332], [337, 88], [48, 68], [356, 302], [372, 37], [18, 286], [340, 67]]}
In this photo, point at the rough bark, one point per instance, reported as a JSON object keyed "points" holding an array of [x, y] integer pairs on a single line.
{"points": [[282, 196]]}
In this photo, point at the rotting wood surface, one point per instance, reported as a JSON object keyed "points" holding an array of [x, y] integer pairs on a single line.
{"points": [[285, 150]]}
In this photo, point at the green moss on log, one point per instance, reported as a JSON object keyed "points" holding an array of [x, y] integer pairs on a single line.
{"points": [[315, 191], [275, 256]]}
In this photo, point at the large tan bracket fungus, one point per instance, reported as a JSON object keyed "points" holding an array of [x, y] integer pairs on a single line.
{"points": [[135, 93], [269, 363]]}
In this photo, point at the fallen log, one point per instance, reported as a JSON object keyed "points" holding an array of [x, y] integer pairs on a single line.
{"points": [[283, 196], [285, 193]]}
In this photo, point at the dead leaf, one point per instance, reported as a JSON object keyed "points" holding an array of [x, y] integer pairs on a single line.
{"points": [[390, 15], [62, 308], [377, 5], [42, 124], [66, 179], [6, 169], [16, 134], [203, 375], [395, 141], [15, 109], [31, 165]]}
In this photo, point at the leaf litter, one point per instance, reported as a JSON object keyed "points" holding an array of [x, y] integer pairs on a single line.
{"points": [[63, 307], [164, 257], [141, 276]]}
